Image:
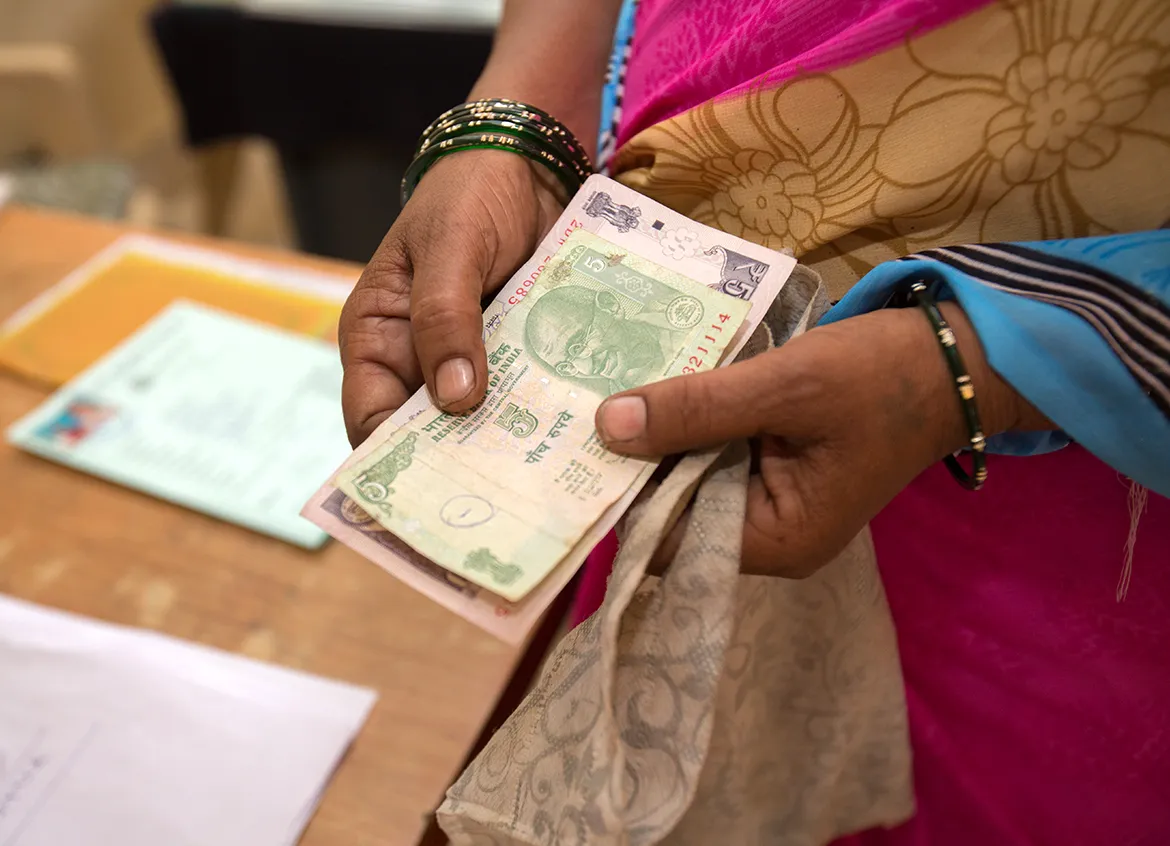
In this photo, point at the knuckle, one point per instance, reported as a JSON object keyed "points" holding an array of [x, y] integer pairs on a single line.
{"points": [[683, 416], [383, 289], [442, 314], [784, 542], [695, 417], [364, 340], [392, 258], [376, 301], [385, 272]]}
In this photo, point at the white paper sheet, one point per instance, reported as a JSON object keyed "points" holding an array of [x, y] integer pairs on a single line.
{"points": [[110, 735]]}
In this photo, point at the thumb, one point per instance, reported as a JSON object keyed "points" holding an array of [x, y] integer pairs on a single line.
{"points": [[447, 320], [696, 411]]}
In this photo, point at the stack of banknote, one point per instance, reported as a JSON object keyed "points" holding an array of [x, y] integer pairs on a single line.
{"points": [[490, 513]]}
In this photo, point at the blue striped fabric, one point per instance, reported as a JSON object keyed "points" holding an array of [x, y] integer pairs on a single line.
{"points": [[1080, 328]]}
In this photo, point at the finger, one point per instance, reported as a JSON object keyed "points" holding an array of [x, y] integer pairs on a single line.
{"points": [[802, 511], [775, 534], [697, 411], [775, 541], [370, 392], [377, 352], [451, 268]]}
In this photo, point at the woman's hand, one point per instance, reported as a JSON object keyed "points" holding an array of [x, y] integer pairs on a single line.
{"points": [[842, 418], [416, 314]]}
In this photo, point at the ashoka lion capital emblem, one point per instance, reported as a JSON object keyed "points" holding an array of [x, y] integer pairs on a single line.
{"points": [[601, 204]]}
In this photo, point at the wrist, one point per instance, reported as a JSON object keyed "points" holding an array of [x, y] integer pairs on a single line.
{"points": [[553, 54], [1001, 408], [995, 399], [935, 403]]}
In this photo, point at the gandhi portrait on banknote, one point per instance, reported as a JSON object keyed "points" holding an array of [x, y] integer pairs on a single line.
{"points": [[583, 335]]}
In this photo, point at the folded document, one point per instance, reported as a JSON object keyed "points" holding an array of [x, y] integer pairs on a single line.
{"points": [[212, 411]]}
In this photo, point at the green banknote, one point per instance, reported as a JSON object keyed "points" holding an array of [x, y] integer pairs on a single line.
{"points": [[499, 495]]}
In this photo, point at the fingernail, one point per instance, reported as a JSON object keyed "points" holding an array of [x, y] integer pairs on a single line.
{"points": [[454, 380], [622, 419]]}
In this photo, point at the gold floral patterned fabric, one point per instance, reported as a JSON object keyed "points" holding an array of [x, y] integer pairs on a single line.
{"points": [[1026, 120]]}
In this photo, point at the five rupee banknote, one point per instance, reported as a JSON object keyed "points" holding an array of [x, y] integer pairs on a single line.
{"points": [[490, 513]]}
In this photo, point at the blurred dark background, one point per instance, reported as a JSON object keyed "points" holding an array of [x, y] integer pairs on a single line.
{"points": [[286, 122]]}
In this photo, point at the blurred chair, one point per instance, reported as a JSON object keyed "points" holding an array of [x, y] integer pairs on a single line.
{"points": [[48, 125], [85, 104], [43, 103], [101, 51]]}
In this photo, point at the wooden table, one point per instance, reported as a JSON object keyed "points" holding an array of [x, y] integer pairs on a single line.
{"points": [[77, 543]]}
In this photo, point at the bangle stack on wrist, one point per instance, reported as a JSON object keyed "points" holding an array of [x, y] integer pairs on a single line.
{"points": [[499, 124], [920, 295]]}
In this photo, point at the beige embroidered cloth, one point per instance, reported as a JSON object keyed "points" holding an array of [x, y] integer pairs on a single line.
{"points": [[705, 706]]}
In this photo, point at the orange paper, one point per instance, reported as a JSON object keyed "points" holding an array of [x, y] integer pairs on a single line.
{"points": [[91, 312]]}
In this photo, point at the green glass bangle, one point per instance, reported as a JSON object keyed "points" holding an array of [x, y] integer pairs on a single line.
{"points": [[498, 104], [502, 108], [965, 388], [563, 144], [487, 141], [504, 127]]}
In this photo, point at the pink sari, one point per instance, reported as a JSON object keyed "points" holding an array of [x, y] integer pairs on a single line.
{"points": [[1038, 697]]}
